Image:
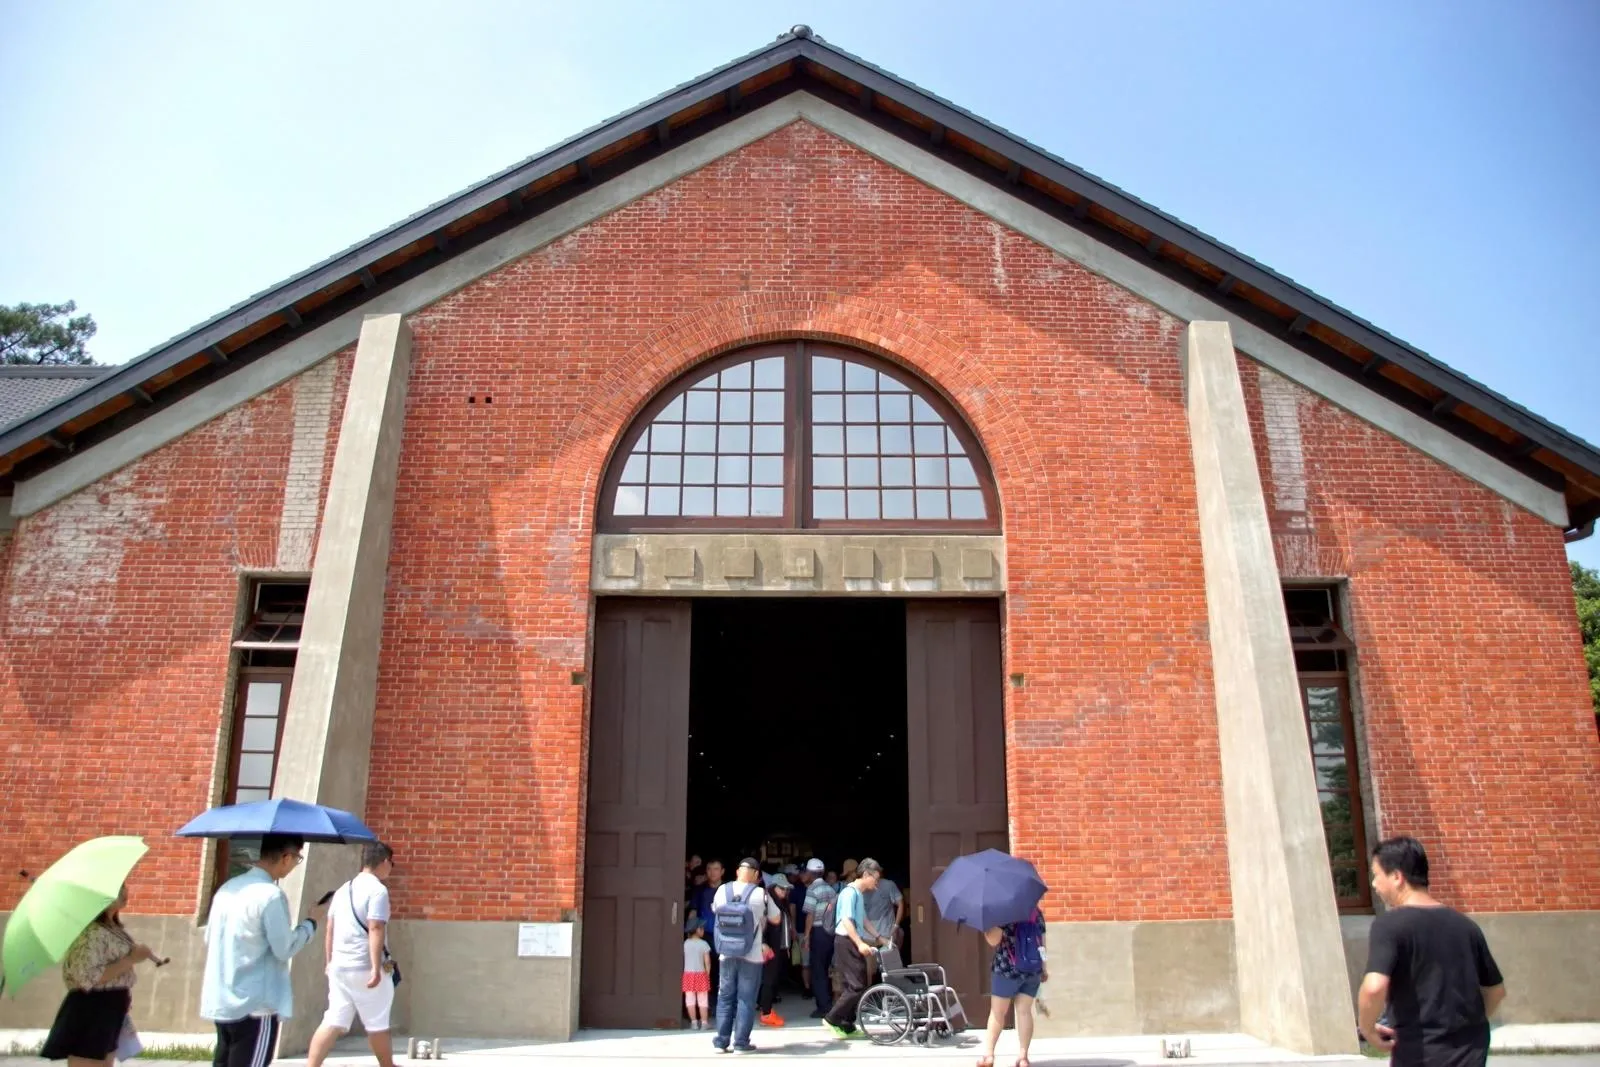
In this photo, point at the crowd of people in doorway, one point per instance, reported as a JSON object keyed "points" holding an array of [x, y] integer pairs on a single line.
{"points": [[800, 926]]}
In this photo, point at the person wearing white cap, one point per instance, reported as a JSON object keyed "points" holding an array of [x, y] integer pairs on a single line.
{"points": [[818, 911]]}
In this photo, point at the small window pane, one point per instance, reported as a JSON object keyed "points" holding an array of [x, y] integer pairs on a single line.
{"points": [[862, 472], [1327, 738], [255, 770], [766, 502], [699, 470], [732, 470], [896, 440], [1322, 702], [827, 441], [261, 698], [663, 500], [898, 504], [827, 503], [863, 503], [967, 504], [826, 374], [633, 470], [961, 472], [929, 440], [860, 378], [861, 440], [250, 796], [827, 408], [733, 502], [699, 500], [769, 373], [930, 472], [673, 412], [894, 408], [702, 407], [260, 735], [861, 407], [699, 437], [733, 439], [666, 470], [921, 412], [736, 377], [932, 504], [768, 439], [666, 437], [766, 470], [1332, 773], [735, 407], [954, 444], [630, 500], [891, 385], [896, 471], [827, 471], [1346, 882], [769, 407]]}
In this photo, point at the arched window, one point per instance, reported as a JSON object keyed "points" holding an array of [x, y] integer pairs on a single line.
{"points": [[799, 435]]}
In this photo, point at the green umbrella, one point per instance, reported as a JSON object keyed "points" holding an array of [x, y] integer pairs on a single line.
{"points": [[62, 902]]}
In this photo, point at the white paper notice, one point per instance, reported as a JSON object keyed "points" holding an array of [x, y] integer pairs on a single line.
{"points": [[544, 939]]}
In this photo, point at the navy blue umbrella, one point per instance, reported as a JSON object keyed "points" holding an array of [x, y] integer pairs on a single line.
{"points": [[314, 822], [988, 889]]}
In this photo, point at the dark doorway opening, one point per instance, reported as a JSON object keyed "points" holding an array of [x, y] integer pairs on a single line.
{"points": [[797, 732]]}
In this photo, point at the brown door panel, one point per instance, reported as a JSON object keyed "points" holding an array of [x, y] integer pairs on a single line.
{"points": [[638, 794], [956, 735]]}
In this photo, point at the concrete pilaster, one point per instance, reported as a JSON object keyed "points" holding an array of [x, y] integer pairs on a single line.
{"points": [[1288, 949], [327, 737]]}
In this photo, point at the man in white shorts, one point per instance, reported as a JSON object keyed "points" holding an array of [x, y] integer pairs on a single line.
{"points": [[360, 981]]}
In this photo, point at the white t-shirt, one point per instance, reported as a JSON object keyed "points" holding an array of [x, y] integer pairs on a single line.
{"points": [[761, 906], [696, 955], [370, 899]]}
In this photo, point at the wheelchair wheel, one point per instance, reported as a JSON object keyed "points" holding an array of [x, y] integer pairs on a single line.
{"points": [[884, 1015]]}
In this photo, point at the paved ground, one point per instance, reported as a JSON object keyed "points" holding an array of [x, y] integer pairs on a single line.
{"points": [[808, 1042]]}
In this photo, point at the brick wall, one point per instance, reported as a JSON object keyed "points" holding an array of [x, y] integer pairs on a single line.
{"points": [[478, 748], [1469, 669], [115, 621]]}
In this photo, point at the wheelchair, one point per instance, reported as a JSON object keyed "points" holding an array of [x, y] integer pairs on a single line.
{"points": [[914, 1003]]}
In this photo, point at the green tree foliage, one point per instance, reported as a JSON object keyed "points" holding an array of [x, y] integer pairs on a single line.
{"points": [[44, 334], [1586, 588]]}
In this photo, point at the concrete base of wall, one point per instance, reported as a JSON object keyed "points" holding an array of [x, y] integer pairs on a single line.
{"points": [[465, 979], [1137, 978], [1547, 957], [165, 998]]}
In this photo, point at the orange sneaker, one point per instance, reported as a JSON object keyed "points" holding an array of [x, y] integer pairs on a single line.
{"points": [[772, 1018]]}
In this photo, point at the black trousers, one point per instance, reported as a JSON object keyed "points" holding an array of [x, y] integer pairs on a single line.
{"points": [[852, 967], [771, 972], [249, 1042]]}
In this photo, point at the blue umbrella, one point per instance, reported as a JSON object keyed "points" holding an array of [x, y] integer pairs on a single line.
{"points": [[988, 889], [314, 822]]}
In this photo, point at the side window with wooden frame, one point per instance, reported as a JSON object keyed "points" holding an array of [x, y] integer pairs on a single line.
{"points": [[1322, 658], [266, 646]]}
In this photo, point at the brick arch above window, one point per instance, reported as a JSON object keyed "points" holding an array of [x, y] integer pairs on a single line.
{"points": [[799, 435]]}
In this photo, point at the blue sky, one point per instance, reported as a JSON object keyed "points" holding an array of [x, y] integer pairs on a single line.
{"points": [[1430, 166]]}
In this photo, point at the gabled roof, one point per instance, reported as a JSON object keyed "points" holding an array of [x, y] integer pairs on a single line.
{"points": [[28, 388], [800, 61]]}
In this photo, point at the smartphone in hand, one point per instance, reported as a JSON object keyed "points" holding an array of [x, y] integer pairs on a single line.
{"points": [[326, 897]]}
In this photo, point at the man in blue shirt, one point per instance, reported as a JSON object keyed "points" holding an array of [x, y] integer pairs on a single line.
{"points": [[851, 950], [249, 942]]}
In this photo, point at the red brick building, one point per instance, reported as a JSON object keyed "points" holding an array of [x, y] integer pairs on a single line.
{"points": [[798, 395]]}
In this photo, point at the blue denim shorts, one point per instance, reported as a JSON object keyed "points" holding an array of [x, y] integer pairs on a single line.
{"points": [[1006, 987]]}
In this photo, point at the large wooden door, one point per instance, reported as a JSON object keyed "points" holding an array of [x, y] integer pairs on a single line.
{"points": [[956, 733], [638, 779]]}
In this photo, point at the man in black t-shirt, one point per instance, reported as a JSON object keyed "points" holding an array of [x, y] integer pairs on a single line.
{"points": [[1430, 965]]}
